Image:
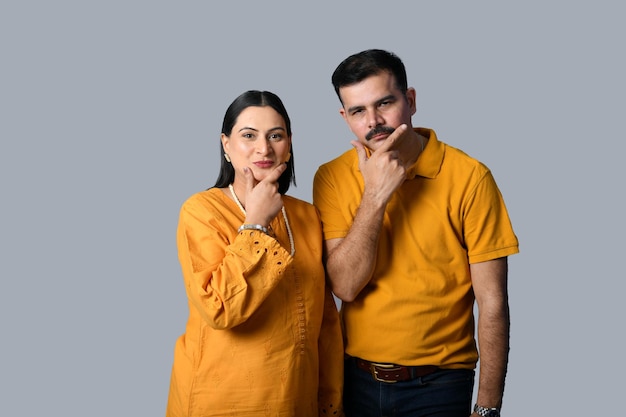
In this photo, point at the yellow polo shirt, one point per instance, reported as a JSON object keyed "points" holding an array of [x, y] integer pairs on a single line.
{"points": [[418, 307]]}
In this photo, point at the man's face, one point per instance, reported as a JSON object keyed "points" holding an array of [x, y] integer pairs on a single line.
{"points": [[375, 107]]}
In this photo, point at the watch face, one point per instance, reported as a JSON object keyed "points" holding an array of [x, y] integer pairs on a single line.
{"points": [[492, 413]]}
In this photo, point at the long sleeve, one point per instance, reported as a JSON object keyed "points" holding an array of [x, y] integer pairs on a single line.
{"points": [[226, 280]]}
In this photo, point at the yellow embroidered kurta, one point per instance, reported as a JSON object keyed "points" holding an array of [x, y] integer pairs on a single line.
{"points": [[263, 335]]}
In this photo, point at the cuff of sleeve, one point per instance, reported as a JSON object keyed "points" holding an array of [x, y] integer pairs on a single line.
{"points": [[261, 255]]}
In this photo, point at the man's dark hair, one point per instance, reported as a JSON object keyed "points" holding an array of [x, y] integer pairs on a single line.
{"points": [[254, 98], [364, 64]]}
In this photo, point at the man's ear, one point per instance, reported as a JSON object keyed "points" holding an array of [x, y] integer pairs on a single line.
{"points": [[342, 112], [411, 98]]}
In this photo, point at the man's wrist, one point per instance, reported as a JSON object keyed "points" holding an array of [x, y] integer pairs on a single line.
{"points": [[487, 411]]}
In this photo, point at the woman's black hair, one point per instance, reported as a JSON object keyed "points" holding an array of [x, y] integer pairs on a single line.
{"points": [[254, 98]]}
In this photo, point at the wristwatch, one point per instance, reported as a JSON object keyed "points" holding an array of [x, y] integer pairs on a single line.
{"points": [[486, 412]]}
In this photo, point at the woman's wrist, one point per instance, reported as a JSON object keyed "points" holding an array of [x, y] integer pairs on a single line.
{"points": [[253, 226]]}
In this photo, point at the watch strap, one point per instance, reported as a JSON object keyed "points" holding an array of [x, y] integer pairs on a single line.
{"points": [[486, 412]]}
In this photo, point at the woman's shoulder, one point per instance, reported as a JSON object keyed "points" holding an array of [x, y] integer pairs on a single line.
{"points": [[294, 203], [210, 198], [304, 219]]}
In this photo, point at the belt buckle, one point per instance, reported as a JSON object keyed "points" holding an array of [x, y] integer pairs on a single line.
{"points": [[386, 366]]}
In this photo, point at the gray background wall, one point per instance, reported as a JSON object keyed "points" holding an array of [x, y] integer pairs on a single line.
{"points": [[110, 115]]}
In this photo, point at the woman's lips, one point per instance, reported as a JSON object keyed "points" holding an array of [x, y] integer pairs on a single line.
{"points": [[264, 164]]}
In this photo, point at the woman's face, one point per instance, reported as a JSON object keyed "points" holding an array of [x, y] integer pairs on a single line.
{"points": [[258, 141]]}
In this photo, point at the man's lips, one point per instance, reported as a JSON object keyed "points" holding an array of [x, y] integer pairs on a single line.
{"points": [[380, 136]]}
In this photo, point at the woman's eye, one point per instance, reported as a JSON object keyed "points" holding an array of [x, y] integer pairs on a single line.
{"points": [[276, 137]]}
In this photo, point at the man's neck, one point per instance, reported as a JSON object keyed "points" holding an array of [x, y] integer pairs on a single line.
{"points": [[413, 148]]}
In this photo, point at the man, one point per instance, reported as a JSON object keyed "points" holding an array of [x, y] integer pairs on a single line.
{"points": [[415, 231]]}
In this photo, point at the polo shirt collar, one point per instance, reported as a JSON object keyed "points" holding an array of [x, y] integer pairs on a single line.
{"points": [[429, 162]]}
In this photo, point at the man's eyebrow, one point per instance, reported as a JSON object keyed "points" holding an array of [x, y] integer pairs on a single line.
{"points": [[380, 100], [389, 97], [354, 108]]}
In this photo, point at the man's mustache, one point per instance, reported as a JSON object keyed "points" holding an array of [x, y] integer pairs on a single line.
{"points": [[378, 130]]}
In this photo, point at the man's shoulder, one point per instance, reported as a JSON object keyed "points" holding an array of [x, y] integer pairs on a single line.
{"points": [[448, 151], [460, 160], [347, 161], [336, 176]]}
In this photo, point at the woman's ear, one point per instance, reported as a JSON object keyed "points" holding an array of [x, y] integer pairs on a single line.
{"points": [[225, 141]]}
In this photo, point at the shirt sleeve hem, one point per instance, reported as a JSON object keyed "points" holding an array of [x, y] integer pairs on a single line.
{"points": [[495, 254]]}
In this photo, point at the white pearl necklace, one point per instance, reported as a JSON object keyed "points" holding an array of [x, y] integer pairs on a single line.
{"points": [[291, 244]]}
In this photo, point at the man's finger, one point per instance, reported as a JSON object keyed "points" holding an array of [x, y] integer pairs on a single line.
{"points": [[360, 150], [392, 139]]}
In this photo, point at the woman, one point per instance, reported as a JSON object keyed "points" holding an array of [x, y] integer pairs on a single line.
{"points": [[263, 335]]}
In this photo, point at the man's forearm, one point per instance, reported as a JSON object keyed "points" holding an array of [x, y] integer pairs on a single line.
{"points": [[351, 263], [493, 341]]}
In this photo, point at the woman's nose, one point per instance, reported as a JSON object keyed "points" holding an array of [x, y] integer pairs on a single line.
{"points": [[263, 146]]}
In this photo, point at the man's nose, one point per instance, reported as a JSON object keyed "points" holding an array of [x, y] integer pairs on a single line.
{"points": [[374, 118]]}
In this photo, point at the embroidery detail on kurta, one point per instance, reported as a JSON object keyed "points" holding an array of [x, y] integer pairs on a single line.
{"points": [[300, 313]]}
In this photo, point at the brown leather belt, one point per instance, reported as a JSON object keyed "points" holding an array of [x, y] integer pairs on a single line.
{"points": [[389, 372]]}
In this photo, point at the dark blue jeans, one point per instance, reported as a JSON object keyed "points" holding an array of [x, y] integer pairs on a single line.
{"points": [[445, 393]]}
